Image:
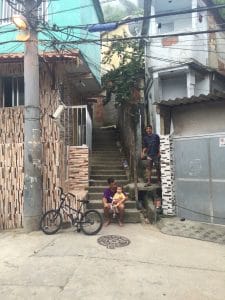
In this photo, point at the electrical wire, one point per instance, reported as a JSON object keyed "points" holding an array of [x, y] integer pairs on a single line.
{"points": [[79, 41], [130, 20], [171, 13], [153, 44], [143, 37], [165, 59]]}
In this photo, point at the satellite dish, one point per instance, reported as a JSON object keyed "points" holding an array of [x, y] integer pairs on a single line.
{"points": [[134, 29]]}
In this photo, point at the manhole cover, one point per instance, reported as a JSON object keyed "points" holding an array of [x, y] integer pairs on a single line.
{"points": [[113, 241]]}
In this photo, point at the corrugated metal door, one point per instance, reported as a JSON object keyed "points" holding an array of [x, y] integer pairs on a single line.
{"points": [[200, 178]]}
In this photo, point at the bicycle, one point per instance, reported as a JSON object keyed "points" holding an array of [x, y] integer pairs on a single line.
{"points": [[90, 221]]}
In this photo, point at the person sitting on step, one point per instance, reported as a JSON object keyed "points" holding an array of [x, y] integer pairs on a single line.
{"points": [[107, 202], [118, 199]]}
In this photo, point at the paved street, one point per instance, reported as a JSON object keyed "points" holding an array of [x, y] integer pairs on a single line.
{"points": [[71, 265]]}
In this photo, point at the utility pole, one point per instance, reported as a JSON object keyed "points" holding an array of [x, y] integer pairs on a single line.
{"points": [[32, 209]]}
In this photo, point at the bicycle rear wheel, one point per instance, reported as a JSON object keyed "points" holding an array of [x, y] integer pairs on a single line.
{"points": [[91, 223], [51, 221]]}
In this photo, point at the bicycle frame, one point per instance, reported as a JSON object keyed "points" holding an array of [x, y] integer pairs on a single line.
{"points": [[52, 219], [63, 206]]}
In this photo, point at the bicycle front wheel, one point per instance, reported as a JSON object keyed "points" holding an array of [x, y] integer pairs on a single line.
{"points": [[51, 222], [91, 222]]}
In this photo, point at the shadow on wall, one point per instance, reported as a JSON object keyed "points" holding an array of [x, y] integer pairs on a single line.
{"points": [[105, 115], [110, 113]]}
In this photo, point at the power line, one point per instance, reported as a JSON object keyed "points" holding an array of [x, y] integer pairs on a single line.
{"points": [[171, 13], [143, 37], [206, 39]]}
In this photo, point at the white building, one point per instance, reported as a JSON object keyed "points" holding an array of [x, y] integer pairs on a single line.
{"points": [[183, 65], [185, 77]]}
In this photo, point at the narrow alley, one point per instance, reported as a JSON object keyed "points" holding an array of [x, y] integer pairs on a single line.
{"points": [[70, 265]]}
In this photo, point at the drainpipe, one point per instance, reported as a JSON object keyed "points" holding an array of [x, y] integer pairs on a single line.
{"points": [[32, 208], [146, 44]]}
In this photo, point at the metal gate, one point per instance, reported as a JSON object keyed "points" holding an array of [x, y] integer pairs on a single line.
{"points": [[200, 177], [78, 126]]}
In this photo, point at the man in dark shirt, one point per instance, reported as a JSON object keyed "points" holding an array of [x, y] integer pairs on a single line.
{"points": [[107, 202], [151, 148]]}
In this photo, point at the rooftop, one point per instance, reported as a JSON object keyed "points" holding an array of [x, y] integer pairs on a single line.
{"points": [[218, 96]]}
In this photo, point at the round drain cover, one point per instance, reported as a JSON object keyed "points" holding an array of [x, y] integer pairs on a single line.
{"points": [[113, 241]]}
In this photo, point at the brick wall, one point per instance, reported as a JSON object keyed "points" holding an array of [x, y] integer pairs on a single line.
{"points": [[78, 169], [167, 171]]}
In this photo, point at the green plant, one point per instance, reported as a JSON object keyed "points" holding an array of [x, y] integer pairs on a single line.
{"points": [[222, 10], [123, 80], [123, 9]]}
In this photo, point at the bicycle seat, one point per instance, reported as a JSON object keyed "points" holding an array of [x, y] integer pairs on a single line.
{"points": [[84, 201]]}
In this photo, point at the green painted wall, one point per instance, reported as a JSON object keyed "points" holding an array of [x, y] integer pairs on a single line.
{"points": [[62, 13]]}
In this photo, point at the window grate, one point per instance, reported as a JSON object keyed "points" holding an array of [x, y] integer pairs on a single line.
{"points": [[8, 10]]}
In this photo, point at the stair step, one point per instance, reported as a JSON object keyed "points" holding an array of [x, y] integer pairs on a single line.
{"points": [[116, 155], [100, 182], [106, 147], [106, 134], [100, 147], [111, 140], [107, 166], [105, 177], [109, 173], [106, 160], [103, 151], [98, 189], [105, 131], [95, 196], [110, 163], [97, 204], [130, 216]]}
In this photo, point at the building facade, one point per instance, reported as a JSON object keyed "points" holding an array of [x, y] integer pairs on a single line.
{"points": [[69, 75], [185, 87]]}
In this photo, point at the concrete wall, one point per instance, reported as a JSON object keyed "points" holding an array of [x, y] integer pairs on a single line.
{"points": [[216, 46], [173, 87], [202, 84], [110, 113], [172, 51], [198, 118], [98, 109], [218, 84]]}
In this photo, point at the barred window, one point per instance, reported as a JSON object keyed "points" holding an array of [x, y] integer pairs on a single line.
{"points": [[8, 8], [12, 91]]}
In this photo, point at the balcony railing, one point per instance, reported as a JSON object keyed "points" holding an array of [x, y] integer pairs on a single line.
{"points": [[78, 126]]}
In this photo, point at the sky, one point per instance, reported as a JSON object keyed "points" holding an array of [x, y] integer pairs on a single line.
{"points": [[114, 2]]}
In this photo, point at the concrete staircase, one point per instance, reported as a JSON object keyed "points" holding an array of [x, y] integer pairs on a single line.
{"points": [[106, 161]]}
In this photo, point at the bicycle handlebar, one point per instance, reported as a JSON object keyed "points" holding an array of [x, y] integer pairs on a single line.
{"points": [[61, 190], [68, 194]]}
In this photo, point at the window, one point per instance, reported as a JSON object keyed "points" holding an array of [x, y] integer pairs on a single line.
{"points": [[7, 11], [165, 27], [12, 91]]}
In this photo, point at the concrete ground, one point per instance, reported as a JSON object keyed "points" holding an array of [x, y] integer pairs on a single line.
{"points": [[70, 265], [192, 229]]}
